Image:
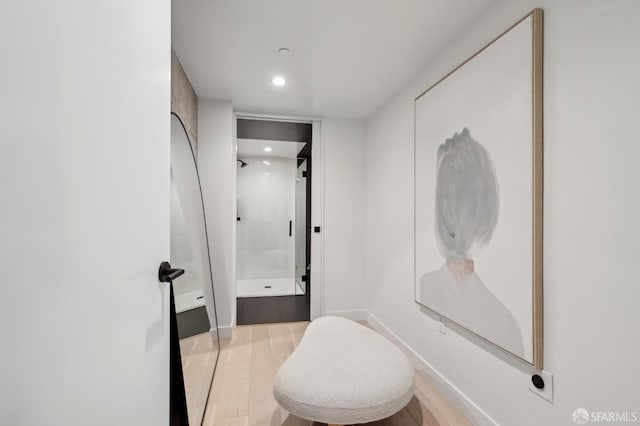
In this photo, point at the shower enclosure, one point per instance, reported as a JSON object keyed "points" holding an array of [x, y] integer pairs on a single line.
{"points": [[270, 232]]}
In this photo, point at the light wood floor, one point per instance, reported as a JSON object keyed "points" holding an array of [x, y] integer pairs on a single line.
{"points": [[242, 393], [198, 361]]}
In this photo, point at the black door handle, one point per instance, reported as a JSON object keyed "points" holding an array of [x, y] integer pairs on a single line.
{"points": [[290, 224], [166, 274]]}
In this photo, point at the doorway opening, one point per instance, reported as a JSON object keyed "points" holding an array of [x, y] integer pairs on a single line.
{"points": [[273, 190]]}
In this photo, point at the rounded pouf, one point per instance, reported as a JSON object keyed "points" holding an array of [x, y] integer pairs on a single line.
{"points": [[344, 373]]}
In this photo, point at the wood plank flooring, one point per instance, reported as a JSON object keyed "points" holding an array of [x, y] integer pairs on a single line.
{"points": [[242, 391], [198, 361]]}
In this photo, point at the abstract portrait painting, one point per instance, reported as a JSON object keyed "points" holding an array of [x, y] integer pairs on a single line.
{"points": [[478, 194]]}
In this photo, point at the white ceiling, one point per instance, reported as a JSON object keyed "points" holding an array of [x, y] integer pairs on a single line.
{"points": [[281, 149], [348, 57]]}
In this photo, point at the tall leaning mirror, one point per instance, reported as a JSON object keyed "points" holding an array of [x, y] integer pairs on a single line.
{"points": [[194, 297]]}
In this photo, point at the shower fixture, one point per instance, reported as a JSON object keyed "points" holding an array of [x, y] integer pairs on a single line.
{"points": [[243, 164]]}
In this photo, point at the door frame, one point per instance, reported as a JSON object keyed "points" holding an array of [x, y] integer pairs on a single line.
{"points": [[316, 308]]}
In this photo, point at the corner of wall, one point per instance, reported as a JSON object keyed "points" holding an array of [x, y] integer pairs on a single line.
{"points": [[216, 166]]}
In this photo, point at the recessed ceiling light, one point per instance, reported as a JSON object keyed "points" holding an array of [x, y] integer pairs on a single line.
{"points": [[267, 149], [266, 163], [284, 51], [278, 81]]}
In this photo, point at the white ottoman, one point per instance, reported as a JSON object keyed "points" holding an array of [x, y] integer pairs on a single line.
{"points": [[344, 373]]}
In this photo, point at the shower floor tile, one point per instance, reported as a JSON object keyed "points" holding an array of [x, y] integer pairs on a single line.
{"points": [[268, 287]]}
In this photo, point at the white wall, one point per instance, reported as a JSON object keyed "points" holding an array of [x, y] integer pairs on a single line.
{"points": [[591, 210], [316, 286], [217, 168], [266, 204], [344, 202], [84, 223]]}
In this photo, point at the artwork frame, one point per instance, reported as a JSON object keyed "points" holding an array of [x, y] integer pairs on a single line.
{"points": [[532, 185]]}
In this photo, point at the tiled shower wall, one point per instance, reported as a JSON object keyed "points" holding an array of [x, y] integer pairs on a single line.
{"points": [[266, 204]]}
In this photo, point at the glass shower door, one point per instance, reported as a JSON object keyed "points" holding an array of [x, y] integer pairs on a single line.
{"points": [[301, 229]]}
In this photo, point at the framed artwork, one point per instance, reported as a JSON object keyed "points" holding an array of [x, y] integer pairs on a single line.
{"points": [[478, 193]]}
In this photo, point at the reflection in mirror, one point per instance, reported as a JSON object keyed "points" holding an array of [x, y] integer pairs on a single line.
{"points": [[194, 298]]}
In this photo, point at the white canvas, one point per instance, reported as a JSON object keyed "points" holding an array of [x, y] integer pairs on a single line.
{"points": [[484, 110]]}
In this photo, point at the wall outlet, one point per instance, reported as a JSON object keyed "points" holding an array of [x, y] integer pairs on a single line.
{"points": [[547, 391], [442, 327]]}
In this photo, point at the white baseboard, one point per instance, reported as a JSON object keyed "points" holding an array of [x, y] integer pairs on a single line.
{"points": [[354, 314], [226, 332], [469, 408]]}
